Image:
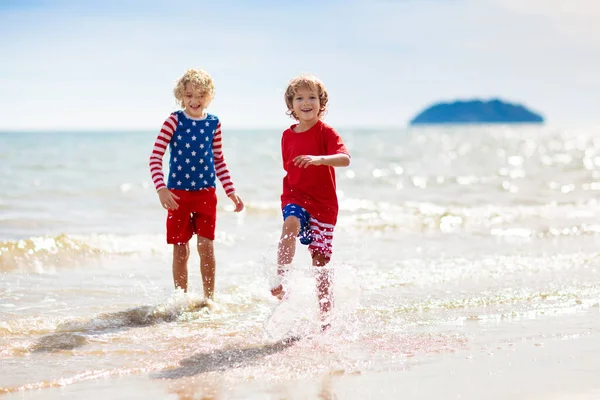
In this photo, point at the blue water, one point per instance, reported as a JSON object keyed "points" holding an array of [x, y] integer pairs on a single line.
{"points": [[451, 240]]}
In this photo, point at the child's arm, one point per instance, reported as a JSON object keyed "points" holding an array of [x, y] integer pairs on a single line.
{"points": [[167, 199], [336, 154], [334, 160], [223, 172]]}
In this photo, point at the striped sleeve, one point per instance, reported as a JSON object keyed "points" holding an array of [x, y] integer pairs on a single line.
{"points": [[159, 149], [220, 165]]}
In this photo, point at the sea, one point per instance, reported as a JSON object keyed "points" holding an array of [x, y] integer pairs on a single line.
{"points": [[466, 266]]}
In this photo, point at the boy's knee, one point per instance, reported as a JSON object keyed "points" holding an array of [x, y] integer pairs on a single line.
{"points": [[205, 245], [291, 225], [181, 251]]}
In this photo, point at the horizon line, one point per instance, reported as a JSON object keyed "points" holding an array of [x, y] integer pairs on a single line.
{"points": [[545, 123], [135, 130]]}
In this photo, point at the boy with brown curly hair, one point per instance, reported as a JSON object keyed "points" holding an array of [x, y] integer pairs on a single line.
{"points": [[310, 150]]}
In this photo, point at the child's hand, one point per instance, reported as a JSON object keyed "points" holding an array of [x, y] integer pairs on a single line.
{"points": [[239, 204], [305, 161], [168, 199]]}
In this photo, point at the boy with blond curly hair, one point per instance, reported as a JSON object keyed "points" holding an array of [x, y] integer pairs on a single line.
{"points": [[310, 150], [194, 140]]}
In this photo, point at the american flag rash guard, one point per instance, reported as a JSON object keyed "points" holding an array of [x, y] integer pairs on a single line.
{"points": [[196, 156]]}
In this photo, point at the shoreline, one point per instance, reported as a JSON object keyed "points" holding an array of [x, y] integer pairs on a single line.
{"points": [[542, 358]]}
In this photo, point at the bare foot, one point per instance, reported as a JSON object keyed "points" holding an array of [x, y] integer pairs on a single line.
{"points": [[278, 292]]}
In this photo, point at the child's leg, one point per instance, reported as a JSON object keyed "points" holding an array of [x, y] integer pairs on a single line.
{"points": [[179, 233], [206, 251], [287, 243], [323, 283], [286, 250], [321, 250], [181, 254]]}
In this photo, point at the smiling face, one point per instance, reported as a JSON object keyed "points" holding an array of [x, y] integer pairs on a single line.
{"points": [[306, 106], [306, 99], [194, 91], [195, 100]]}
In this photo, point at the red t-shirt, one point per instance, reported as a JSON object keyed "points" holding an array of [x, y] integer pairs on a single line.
{"points": [[312, 187]]}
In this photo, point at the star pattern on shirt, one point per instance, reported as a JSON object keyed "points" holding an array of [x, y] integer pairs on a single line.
{"points": [[192, 162]]}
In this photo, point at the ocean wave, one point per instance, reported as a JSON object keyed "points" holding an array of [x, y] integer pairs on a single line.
{"points": [[545, 220], [170, 311], [498, 304], [45, 253], [67, 334], [37, 253], [83, 377], [533, 221]]}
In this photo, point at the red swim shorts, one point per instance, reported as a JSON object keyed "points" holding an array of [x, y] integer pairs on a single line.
{"points": [[197, 214]]}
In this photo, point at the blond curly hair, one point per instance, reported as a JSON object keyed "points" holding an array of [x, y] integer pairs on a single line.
{"points": [[310, 82], [201, 81]]}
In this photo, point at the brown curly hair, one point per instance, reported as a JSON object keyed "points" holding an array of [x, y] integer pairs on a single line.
{"points": [[200, 79], [309, 82]]}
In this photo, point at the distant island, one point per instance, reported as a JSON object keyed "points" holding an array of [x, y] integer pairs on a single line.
{"points": [[494, 111]]}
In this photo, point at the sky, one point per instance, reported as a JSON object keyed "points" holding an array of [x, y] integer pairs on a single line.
{"points": [[112, 64]]}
